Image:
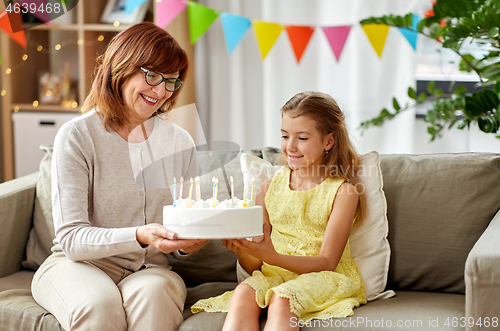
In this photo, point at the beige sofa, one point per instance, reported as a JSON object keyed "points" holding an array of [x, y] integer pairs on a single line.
{"points": [[444, 232]]}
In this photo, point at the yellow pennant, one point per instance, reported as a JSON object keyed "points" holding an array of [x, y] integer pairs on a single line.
{"points": [[377, 34], [267, 34]]}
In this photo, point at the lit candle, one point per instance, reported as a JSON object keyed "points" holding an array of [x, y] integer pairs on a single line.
{"points": [[253, 182], [213, 192], [244, 195], [216, 188], [232, 189], [190, 192], [198, 191], [175, 190], [182, 187]]}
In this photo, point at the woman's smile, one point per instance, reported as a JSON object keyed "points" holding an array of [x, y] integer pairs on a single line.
{"points": [[149, 100]]}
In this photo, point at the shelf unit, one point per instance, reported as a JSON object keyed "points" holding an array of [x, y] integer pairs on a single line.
{"points": [[80, 43]]}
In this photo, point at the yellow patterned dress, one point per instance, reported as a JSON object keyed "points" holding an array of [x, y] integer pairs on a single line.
{"points": [[299, 220]]}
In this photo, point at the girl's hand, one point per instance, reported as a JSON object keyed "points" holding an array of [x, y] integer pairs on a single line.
{"points": [[160, 237], [262, 250], [196, 247]]}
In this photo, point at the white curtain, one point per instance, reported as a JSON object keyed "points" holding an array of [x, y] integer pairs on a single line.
{"points": [[239, 96]]}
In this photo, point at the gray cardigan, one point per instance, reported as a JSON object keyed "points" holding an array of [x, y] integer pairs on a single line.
{"points": [[104, 187]]}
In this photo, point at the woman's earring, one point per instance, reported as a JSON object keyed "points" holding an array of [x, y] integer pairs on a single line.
{"points": [[326, 152]]}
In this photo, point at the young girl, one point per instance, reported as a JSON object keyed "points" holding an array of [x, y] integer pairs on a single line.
{"points": [[302, 269]]}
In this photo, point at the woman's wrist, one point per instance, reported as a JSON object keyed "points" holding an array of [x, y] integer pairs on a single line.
{"points": [[140, 237]]}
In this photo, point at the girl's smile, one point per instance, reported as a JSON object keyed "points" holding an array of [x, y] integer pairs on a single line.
{"points": [[302, 143]]}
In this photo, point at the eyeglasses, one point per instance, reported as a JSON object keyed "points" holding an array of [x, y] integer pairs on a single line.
{"points": [[154, 78]]}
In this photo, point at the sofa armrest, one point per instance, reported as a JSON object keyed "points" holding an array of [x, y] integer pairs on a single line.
{"points": [[17, 198], [482, 278]]}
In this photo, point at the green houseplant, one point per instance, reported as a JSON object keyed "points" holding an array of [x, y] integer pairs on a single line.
{"points": [[453, 23]]}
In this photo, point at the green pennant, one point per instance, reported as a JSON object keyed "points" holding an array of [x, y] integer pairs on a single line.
{"points": [[200, 19]]}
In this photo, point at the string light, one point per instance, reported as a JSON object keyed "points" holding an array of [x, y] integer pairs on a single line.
{"points": [[57, 47], [116, 23]]}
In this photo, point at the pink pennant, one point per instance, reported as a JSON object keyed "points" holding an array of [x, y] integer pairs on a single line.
{"points": [[168, 10], [337, 35]]}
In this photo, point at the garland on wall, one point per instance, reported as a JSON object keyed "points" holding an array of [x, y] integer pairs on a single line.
{"points": [[235, 28]]}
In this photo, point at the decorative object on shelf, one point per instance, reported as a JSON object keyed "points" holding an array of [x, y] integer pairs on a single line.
{"points": [[68, 98], [49, 88], [115, 12], [453, 23]]}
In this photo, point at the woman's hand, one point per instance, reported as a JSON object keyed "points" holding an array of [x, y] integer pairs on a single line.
{"points": [[165, 240]]}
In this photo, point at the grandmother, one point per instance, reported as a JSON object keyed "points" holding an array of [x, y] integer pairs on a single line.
{"points": [[112, 173]]}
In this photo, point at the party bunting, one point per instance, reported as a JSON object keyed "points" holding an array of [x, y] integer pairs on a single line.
{"points": [[169, 10], [17, 20], [377, 34], [299, 38], [337, 36], [42, 15], [235, 27], [411, 35], [267, 33], [200, 19], [130, 5]]}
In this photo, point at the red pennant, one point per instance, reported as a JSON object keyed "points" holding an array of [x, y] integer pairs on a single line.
{"points": [[299, 38], [17, 20]]}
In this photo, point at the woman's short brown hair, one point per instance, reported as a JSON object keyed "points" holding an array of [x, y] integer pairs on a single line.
{"points": [[141, 45]]}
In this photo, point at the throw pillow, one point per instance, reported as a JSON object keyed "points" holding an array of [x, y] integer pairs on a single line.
{"points": [[41, 235], [368, 239]]}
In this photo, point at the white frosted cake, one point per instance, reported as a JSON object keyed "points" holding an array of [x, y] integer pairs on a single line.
{"points": [[207, 220]]}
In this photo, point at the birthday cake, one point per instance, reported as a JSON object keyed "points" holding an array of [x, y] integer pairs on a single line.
{"points": [[211, 219]]}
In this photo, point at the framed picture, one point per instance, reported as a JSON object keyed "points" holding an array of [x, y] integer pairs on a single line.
{"points": [[115, 11]]}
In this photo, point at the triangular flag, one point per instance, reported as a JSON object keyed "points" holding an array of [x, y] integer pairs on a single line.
{"points": [[42, 15], [234, 27], [17, 21], [267, 34], [167, 10], [377, 34], [337, 35], [200, 19], [130, 5], [299, 38], [411, 35]]}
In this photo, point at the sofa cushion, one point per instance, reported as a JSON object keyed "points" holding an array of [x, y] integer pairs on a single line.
{"points": [[19, 311], [16, 203], [413, 311], [438, 206], [42, 233]]}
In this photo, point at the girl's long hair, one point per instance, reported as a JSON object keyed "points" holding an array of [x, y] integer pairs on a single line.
{"points": [[342, 161], [141, 45]]}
